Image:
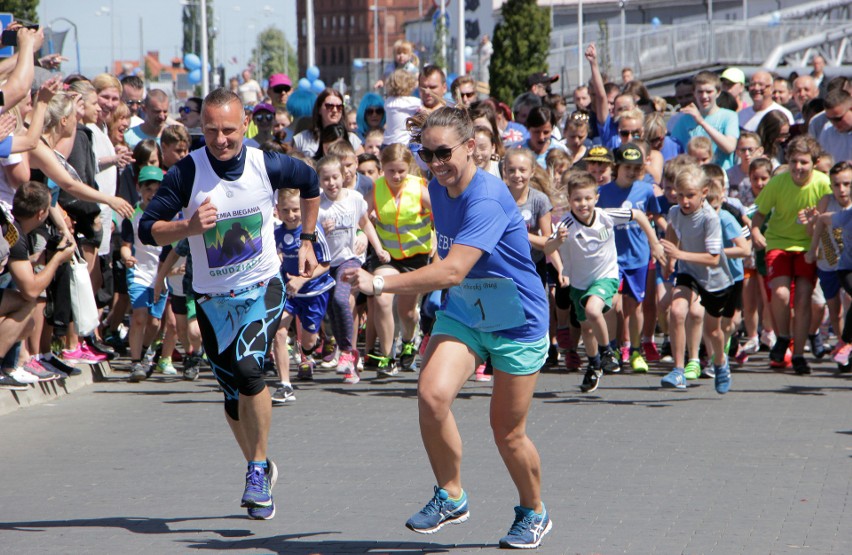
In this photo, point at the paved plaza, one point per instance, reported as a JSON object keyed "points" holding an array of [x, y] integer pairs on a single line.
{"points": [[630, 469]]}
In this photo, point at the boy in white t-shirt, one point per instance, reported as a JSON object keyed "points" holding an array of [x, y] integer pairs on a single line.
{"points": [[585, 238]]}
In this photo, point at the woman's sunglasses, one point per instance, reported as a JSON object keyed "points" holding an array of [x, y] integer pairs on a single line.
{"points": [[261, 117], [374, 111]]}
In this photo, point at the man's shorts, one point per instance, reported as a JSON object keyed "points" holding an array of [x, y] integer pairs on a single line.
{"points": [[143, 297], [714, 302], [310, 310], [633, 282], [605, 288], [507, 355], [789, 264]]}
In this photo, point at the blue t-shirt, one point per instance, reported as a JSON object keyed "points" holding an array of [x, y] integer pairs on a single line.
{"points": [[723, 120], [485, 217], [731, 229], [542, 158], [630, 241], [287, 243]]}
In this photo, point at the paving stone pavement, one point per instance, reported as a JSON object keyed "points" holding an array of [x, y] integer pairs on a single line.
{"points": [[631, 468]]}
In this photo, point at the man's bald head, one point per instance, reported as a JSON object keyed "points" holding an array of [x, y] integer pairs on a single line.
{"points": [[804, 89]]}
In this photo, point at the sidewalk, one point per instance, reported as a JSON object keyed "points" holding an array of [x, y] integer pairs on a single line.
{"points": [[629, 469]]}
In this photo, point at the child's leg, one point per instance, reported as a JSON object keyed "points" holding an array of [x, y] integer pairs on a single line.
{"points": [[594, 328], [280, 354], [780, 306], [138, 321], [751, 305], [649, 308], [170, 336], [713, 330], [694, 329], [681, 301], [802, 306]]}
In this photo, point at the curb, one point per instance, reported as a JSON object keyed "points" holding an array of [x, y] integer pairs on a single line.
{"points": [[45, 392]]}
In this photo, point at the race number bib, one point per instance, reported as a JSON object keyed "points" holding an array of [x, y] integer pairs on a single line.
{"points": [[486, 304]]}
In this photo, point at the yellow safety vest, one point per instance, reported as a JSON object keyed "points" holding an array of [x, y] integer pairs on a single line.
{"points": [[405, 229]]}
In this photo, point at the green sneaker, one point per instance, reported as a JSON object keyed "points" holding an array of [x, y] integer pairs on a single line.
{"points": [[692, 370], [637, 362], [165, 366], [385, 366], [406, 356]]}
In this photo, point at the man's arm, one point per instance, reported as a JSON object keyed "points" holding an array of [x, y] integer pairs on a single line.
{"points": [[31, 284], [597, 85]]}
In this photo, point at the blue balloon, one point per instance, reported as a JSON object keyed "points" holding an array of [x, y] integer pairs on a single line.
{"points": [[194, 76], [358, 63], [655, 22], [191, 62], [313, 73], [317, 86], [304, 84]]}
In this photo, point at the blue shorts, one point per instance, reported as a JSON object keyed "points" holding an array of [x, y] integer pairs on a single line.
{"points": [[660, 279], [142, 296], [507, 355], [830, 283], [310, 310], [633, 282]]}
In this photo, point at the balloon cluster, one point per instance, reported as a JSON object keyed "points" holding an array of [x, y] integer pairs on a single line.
{"points": [[311, 82], [193, 64]]}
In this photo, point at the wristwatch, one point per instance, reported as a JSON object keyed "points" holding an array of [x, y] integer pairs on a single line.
{"points": [[312, 237], [378, 285]]}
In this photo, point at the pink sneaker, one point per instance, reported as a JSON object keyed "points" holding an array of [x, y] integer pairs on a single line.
{"points": [[90, 354], [842, 355], [81, 355], [352, 376], [346, 362], [480, 375], [651, 352], [625, 354]]}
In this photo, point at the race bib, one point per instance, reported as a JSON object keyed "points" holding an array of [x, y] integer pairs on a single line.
{"points": [[486, 304]]}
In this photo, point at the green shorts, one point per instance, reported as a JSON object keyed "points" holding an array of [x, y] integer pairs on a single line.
{"points": [[605, 288], [507, 355]]}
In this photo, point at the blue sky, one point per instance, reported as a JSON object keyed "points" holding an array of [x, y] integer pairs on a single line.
{"points": [[238, 25]]}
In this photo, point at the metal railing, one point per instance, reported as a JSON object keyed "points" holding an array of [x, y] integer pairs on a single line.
{"points": [[663, 50]]}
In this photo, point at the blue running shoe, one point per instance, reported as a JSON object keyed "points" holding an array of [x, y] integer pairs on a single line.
{"points": [[674, 379], [438, 512], [722, 379], [528, 529], [266, 513], [258, 491]]}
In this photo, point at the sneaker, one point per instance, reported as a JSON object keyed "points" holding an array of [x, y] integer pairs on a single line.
{"points": [[637, 362], [258, 492], [480, 375], [359, 366], [591, 380], [115, 342], [674, 379], [138, 372], [346, 362], [625, 354], [99, 347], [266, 513], [9, 383], [777, 355], [191, 362], [692, 370], [283, 394], [709, 372], [818, 348], [165, 366], [800, 365], [842, 355], [22, 375], [59, 373], [573, 363], [768, 338], [75, 356], [406, 356], [666, 352], [609, 362], [751, 346], [651, 352], [56, 363], [385, 367], [527, 530], [306, 369], [552, 355], [90, 354], [330, 354], [43, 374], [722, 379], [438, 512], [352, 376], [741, 356]]}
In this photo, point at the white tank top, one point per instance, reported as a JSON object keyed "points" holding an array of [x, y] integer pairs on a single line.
{"points": [[240, 250]]}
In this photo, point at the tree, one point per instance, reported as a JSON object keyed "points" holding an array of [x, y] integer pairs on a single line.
{"points": [[23, 10], [276, 54], [192, 29], [521, 42]]}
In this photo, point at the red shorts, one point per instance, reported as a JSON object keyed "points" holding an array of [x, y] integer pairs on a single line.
{"points": [[788, 264]]}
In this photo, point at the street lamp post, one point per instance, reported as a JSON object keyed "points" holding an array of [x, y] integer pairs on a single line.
{"points": [[205, 70]]}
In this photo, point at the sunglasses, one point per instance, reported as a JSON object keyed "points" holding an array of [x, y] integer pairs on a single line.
{"points": [[626, 133], [374, 111], [836, 119], [133, 102], [264, 117], [443, 154], [333, 107], [278, 89], [471, 94], [186, 110]]}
